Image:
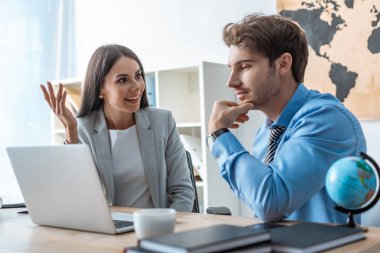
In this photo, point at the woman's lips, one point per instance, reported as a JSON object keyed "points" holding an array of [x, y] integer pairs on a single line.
{"points": [[133, 100]]}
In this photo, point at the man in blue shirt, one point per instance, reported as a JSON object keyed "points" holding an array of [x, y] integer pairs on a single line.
{"points": [[283, 179]]}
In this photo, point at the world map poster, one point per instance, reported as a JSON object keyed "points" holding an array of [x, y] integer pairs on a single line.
{"points": [[344, 49]]}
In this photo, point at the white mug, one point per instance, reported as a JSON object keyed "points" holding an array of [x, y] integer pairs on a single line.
{"points": [[154, 221]]}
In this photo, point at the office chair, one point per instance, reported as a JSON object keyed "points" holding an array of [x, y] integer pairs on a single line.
{"points": [[190, 165], [221, 210]]}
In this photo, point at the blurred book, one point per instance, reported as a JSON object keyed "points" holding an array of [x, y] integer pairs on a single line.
{"points": [[11, 201], [312, 237], [151, 90], [74, 97], [217, 238], [193, 145], [73, 88], [136, 250], [263, 247]]}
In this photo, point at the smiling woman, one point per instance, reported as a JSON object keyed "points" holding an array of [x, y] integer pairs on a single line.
{"points": [[137, 149]]}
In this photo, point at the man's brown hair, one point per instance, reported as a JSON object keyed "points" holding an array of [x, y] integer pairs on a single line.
{"points": [[270, 36]]}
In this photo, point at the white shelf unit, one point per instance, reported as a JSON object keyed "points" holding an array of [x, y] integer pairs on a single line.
{"points": [[73, 86], [189, 93]]}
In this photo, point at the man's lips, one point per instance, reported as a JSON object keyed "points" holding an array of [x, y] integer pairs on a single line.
{"points": [[241, 94]]}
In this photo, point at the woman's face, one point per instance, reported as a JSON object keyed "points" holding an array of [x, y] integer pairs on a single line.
{"points": [[123, 86]]}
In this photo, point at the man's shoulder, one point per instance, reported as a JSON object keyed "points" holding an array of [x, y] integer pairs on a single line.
{"points": [[323, 102], [319, 99], [326, 109]]}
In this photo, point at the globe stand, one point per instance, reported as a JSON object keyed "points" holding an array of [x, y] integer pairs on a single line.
{"points": [[350, 222], [350, 212]]}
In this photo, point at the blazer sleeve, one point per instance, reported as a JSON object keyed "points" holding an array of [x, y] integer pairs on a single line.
{"points": [[179, 186]]}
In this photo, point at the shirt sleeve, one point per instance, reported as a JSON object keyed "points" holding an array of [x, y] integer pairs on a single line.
{"points": [[314, 139]]}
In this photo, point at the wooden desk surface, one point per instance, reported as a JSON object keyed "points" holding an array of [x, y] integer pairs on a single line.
{"points": [[19, 234]]}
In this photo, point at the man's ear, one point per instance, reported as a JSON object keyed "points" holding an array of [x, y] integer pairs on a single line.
{"points": [[285, 63]]}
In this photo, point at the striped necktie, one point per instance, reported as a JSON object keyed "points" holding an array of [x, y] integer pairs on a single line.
{"points": [[275, 133]]}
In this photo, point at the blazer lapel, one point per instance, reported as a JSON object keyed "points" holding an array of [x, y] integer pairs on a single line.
{"points": [[103, 152], [148, 153]]}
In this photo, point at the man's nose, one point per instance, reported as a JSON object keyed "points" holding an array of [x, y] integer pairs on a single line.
{"points": [[233, 81]]}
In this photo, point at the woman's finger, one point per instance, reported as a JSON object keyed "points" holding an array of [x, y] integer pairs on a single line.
{"points": [[62, 104], [59, 99], [51, 95], [46, 94]]}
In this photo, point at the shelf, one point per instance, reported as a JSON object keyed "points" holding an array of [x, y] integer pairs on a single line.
{"points": [[199, 183], [178, 91], [189, 124], [73, 88], [59, 131], [189, 93]]}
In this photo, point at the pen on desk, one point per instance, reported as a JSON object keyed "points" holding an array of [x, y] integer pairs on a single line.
{"points": [[23, 212]]}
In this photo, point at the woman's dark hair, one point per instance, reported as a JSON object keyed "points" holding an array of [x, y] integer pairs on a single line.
{"points": [[99, 65], [270, 36]]}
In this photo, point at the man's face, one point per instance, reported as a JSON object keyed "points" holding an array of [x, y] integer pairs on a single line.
{"points": [[253, 80]]}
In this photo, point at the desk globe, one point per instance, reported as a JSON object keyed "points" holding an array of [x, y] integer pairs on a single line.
{"points": [[353, 184]]}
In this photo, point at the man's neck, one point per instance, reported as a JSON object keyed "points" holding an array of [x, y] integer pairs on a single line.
{"points": [[276, 105]]}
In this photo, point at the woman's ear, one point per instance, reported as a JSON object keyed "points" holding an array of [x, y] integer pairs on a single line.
{"points": [[285, 63]]}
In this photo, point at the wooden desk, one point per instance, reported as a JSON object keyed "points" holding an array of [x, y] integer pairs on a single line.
{"points": [[19, 234]]}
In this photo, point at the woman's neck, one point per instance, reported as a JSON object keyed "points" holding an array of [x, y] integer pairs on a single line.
{"points": [[119, 120]]}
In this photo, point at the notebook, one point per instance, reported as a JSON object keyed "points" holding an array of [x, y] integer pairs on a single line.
{"points": [[312, 237], [61, 188], [216, 238]]}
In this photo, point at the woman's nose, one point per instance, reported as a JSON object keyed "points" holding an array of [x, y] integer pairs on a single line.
{"points": [[136, 85]]}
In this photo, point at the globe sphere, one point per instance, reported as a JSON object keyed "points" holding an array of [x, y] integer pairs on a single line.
{"points": [[351, 182]]}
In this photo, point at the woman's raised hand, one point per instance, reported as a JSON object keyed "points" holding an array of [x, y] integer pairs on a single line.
{"points": [[58, 106]]}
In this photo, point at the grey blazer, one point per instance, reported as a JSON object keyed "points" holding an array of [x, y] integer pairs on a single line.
{"points": [[162, 154]]}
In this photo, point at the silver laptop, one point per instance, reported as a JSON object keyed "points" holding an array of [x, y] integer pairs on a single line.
{"points": [[61, 188]]}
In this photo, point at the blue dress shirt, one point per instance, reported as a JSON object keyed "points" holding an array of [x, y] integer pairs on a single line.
{"points": [[319, 131]]}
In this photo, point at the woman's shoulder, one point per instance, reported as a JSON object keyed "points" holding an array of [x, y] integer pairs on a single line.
{"points": [[87, 120], [156, 118], [153, 112]]}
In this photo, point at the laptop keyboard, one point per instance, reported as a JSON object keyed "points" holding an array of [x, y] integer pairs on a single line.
{"points": [[122, 223]]}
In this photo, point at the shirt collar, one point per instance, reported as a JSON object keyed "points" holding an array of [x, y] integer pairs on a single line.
{"points": [[291, 108]]}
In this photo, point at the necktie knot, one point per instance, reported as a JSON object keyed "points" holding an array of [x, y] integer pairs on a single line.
{"points": [[275, 134]]}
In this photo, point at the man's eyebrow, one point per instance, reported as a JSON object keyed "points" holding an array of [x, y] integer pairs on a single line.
{"points": [[241, 61]]}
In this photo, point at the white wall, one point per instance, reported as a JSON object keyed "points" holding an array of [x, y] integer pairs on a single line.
{"points": [[172, 33], [163, 33]]}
